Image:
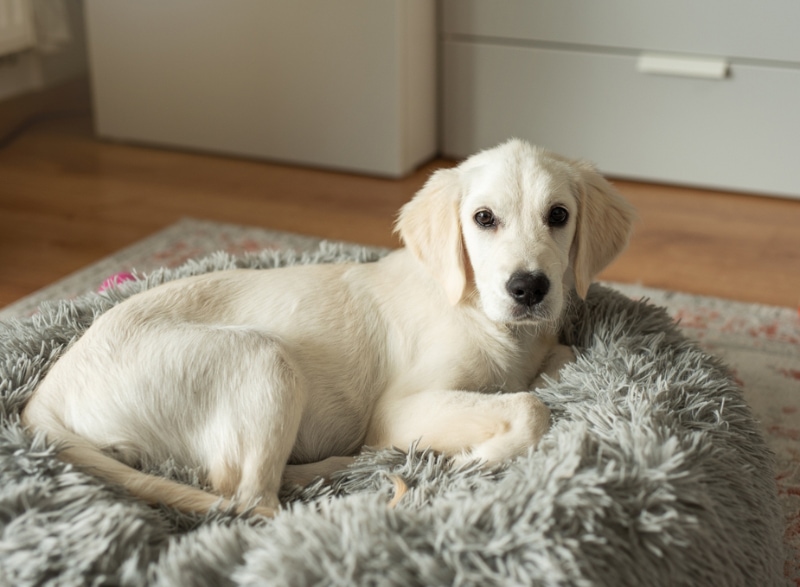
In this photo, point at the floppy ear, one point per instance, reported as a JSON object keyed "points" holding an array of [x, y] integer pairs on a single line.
{"points": [[605, 221], [430, 228]]}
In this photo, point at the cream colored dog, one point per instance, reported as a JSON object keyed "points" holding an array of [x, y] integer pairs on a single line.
{"points": [[241, 372]]}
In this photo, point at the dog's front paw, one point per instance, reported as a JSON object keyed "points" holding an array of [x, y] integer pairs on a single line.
{"points": [[524, 420]]}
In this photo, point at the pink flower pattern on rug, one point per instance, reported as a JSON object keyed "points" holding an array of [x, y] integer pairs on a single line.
{"points": [[761, 344]]}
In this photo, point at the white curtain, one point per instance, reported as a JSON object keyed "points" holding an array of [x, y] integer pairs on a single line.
{"points": [[16, 26], [51, 23], [34, 24]]}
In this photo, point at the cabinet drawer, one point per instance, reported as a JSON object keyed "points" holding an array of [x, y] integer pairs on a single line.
{"points": [[738, 133], [767, 29]]}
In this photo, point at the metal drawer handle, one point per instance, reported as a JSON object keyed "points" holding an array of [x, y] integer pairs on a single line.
{"points": [[680, 65]]}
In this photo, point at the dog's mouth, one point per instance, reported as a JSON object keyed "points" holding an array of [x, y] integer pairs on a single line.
{"points": [[524, 313], [521, 303]]}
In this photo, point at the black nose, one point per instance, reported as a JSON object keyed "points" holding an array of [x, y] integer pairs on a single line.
{"points": [[528, 288]]}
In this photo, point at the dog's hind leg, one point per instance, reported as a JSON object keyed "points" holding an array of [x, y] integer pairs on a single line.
{"points": [[305, 474], [259, 405]]}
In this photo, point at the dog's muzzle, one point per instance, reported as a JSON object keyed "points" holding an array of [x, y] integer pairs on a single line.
{"points": [[528, 289]]}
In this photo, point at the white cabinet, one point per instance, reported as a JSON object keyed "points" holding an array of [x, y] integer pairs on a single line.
{"points": [[348, 85], [704, 94]]}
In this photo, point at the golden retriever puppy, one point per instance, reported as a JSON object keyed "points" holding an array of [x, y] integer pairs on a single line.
{"points": [[244, 372]]}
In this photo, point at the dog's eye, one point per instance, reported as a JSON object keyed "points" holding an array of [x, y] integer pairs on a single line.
{"points": [[485, 219], [558, 216]]}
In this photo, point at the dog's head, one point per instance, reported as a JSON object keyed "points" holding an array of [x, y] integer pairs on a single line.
{"points": [[520, 224]]}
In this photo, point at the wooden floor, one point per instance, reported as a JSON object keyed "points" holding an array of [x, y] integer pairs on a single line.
{"points": [[68, 199]]}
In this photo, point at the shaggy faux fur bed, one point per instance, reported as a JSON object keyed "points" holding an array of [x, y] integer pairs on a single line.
{"points": [[654, 473]]}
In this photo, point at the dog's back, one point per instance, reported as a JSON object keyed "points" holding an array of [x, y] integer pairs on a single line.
{"points": [[171, 371]]}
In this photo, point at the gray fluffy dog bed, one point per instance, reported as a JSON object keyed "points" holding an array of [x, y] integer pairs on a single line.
{"points": [[654, 473]]}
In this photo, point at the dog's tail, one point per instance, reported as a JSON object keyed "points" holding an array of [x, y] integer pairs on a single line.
{"points": [[152, 489]]}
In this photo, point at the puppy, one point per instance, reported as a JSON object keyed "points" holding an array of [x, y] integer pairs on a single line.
{"points": [[244, 372]]}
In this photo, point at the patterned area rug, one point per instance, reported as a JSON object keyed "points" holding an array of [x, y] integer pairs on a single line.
{"points": [[760, 343]]}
